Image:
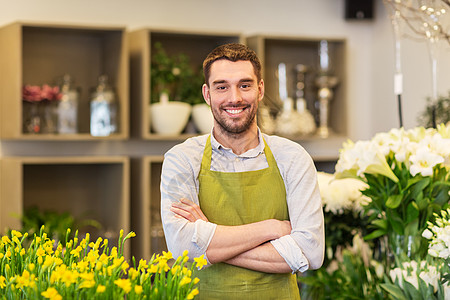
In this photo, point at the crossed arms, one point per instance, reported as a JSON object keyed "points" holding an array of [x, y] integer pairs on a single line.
{"points": [[246, 245]]}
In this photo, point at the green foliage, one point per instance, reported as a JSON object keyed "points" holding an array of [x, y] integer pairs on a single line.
{"points": [[441, 110], [353, 279], [53, 223], [403, 208], [176, 76]]}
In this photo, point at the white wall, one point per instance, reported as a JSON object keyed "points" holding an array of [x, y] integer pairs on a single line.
{"points": [[372, 105]]}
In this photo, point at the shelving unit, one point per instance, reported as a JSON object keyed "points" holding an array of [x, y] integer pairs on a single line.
{"points": [[94, 188], [37, 54], [274, 50], [194, 44], [145, 207]]}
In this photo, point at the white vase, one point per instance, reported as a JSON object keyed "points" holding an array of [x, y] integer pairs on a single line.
{"points": [[169, 117], [202, 116]]}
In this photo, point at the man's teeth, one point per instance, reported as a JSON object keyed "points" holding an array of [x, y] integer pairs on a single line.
{"points": [[234, 111]]}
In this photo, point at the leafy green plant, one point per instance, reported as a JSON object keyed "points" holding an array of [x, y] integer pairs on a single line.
{"points": [[176, 76]]}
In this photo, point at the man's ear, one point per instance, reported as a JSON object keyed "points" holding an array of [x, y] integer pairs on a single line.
{"points": [[206, 94], [261, 90]]}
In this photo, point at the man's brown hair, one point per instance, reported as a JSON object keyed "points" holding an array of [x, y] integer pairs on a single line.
{"points": [[232, 52]]}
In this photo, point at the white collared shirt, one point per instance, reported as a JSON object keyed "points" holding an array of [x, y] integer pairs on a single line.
{"points": [[302, 249]]}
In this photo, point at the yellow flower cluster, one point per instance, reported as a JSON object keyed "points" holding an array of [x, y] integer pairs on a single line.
{"points": [[89, 270]]}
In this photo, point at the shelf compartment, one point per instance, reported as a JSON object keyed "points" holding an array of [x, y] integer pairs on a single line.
{"points": [[196, 45], [146, 207], [37, 54], [94, 188], [292, 50]]}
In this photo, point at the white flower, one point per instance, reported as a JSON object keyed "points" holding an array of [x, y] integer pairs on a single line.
{"points": [[423, 162], [427, 234], [339, 195], [412, 271]]}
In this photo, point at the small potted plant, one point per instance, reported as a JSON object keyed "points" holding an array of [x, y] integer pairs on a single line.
{"points": [[176, 85]]}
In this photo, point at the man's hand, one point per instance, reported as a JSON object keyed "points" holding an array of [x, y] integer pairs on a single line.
{"points": [[188, 210]]}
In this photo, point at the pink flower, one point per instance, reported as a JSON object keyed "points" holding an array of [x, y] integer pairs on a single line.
{"points": [[50, 93], [31, 93]]}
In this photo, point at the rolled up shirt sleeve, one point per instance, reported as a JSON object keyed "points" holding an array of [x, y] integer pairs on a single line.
{"points": [[304, 248]]}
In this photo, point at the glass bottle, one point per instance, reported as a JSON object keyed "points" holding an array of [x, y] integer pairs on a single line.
{"points": [[104, 109], [68, 107]]}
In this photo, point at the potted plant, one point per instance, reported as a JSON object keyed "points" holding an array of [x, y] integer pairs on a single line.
{"points": [[175, 92]]}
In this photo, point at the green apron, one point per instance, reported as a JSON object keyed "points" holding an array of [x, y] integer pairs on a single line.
{"points": [[236, 199]]}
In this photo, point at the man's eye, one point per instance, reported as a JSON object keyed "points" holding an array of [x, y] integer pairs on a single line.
{"points": [[245, 86], [220, 87]]}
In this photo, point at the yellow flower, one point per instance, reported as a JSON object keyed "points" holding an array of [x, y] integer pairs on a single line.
{"points": [[124, 284], [200, 261], [6, 239], [142, 264], [185, 253], [118, 261], [125, 266], [49, 260], [15, 240], [82, 265], [8, 254], [196, 280], [16, 233], [185, 281], [1, 255], [167, 255], [69, 277], [2, 282], [76, 252], [40, 252], [87, 284], [192, 294], [31, 267], [58, 261], [153, 269], [52, 294], [163, 266], [133, 273], [175, 269], [138, 289], [101, 288], [113, 252]]}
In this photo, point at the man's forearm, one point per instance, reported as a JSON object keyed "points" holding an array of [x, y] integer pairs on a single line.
{"points": [[263, 258], [231, 241]]}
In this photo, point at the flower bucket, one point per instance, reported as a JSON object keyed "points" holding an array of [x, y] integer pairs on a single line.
{"points": [[203, 118], [169, 117]]}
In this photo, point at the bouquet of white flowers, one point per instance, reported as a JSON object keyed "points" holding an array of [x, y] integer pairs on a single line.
{"points": [[407, 175]]}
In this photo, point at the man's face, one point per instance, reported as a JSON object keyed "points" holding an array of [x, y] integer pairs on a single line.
{"points": [[233, 94]]}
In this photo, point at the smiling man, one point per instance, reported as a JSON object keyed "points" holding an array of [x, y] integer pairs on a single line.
{"points": [[247, 201]]}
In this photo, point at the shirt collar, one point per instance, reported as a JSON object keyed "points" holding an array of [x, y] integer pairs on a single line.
{"points": [[248, 154]]}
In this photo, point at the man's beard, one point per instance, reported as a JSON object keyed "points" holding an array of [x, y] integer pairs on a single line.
{"points": [[231, 127]]}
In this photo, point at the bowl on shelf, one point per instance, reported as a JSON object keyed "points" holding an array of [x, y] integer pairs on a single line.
{"points": [[169, 117]]}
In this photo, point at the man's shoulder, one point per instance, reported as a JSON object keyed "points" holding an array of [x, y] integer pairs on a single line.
{"points": [[190, 148], [281, 144]]}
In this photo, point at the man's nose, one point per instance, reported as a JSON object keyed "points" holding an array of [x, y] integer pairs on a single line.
{"points": [[236, 94]]}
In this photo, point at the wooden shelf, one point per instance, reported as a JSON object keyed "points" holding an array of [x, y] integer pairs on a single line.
{"points": [[88, 187], [38, 54], [292, 50], [145, 206], [194, 44]]}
